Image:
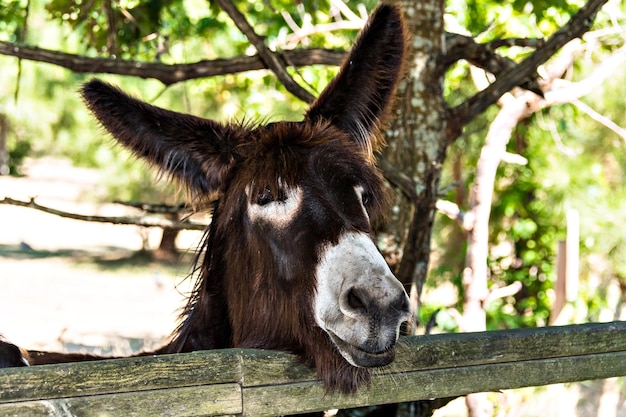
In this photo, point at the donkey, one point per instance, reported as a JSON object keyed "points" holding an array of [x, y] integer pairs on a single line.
{"points": [[288, 261]]}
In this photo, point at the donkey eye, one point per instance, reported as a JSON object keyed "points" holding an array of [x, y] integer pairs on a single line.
{"points": [[265, 197], [366, 198], [364, 195]]}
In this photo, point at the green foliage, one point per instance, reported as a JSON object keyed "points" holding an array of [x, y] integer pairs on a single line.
{"points": [[18, 150], [598, 190], [518, 18], [530, 201], [120, 28], [574, 163], [132, 180], [151, 29], [168, 30], [12, 16], [525, 231]]}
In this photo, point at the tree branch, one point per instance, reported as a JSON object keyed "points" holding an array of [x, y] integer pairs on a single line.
{"points": [[563, 91], [475, 105], [168, 74], [156, 208], [400, 180], [129, 220], [484, 56], [600, 118], [503, 292], [510, 42], [269, 58], [451, 210]]}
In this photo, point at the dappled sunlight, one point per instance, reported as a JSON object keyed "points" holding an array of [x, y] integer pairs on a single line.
{"points": [[73, 285]]}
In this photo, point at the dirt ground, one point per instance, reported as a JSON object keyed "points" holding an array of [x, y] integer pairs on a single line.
{"points": [[72, 285]]}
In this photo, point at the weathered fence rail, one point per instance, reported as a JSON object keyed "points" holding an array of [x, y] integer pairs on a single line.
{"points": [[266, 383]]}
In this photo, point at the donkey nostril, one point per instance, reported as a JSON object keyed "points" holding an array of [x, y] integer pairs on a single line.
{"points": [[356, 300], [402, 304]]}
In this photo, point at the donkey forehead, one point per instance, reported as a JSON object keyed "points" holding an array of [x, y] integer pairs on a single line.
{"points": [[288, 138], [275, 136], [288, 154]]}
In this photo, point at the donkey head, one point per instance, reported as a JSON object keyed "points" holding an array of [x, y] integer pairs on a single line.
{"points": [[291, 247]]}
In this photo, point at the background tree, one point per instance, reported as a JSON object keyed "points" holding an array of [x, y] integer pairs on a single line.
{"points": [[199, 52]]}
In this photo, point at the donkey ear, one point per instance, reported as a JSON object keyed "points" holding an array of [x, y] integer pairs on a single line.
{"points": [[191, 149], [359, 97]]}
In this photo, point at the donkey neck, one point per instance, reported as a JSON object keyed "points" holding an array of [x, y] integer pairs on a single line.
{"points": [[204, 320]]}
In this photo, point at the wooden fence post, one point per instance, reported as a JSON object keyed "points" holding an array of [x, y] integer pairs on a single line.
{"points": [[567, 271], [4, 151]]}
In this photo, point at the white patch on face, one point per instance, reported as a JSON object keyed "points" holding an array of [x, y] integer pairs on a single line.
{"points": [[278, 212], [359, 303], [359, 192]]}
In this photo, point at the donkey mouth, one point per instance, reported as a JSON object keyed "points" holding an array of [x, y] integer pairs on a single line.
{"points": [[362, 357]]}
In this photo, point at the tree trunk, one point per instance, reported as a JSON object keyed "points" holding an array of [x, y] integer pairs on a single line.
{"points": [[167, 247], [412, 161], [475, 274]]}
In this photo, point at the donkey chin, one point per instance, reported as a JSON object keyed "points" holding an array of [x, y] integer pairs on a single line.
{"points": [[364, 355], [359, 303]]}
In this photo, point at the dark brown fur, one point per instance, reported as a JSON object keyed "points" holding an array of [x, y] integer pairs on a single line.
{"points": [[255, 282]]}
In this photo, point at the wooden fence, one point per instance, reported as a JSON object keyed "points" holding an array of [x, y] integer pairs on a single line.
{"points": [[267, 383]]}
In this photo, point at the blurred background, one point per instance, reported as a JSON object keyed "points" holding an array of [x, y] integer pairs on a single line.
{"points": [[555, 231]]}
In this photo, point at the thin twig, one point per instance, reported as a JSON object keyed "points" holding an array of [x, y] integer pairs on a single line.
{"points": [[269, 58], [128, 220], [156, 208], [301, 33], [600, 118]]}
